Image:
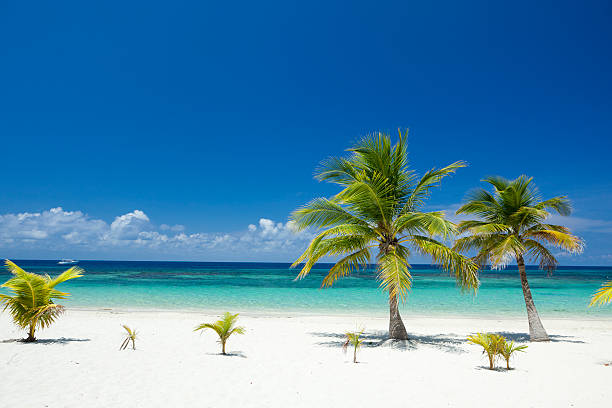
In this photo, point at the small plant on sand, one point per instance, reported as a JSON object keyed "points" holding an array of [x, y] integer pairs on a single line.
{"points": [[224, 328], [603, 295], [509, 348], [355, 340], [130, 336], [492, 345], [31, 303]]}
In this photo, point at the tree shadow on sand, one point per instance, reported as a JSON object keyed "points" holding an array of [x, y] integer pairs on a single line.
{"points": [[524, 337], [232, 354], [61, 340], [449, 343]]}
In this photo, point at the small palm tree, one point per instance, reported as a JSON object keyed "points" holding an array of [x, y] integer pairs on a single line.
{"points": [[603, 295], [492, 345], [513, 225], [508, 349], [355, 340], [380, 207], [130, 336], [31, 304], [224, 328]]}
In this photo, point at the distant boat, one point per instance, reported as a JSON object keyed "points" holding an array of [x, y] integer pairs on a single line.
{"points": [[67, 262]]}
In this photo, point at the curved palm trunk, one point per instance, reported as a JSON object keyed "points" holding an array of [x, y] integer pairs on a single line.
{"points": [[223, 347], [536, 329], [397, 330]]}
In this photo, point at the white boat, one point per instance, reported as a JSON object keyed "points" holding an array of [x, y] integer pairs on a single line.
{"points": [[67, 262]]}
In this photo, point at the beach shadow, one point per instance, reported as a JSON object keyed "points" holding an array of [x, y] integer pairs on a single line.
{"points": [[232, 354], [61, 340], [524, 337], [374, 339], [497, 369], [446, 343]]}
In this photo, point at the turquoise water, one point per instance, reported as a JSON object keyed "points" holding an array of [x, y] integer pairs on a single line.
{"points": [[261, 287]]}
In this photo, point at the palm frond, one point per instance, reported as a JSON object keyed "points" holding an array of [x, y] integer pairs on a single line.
{"points": [[72, 273], [463, 268], [322, 213], [336, 245], [538, 252], [568, 242], [561, 205], [347, 265], [394, 275], [432, 223], [429, 180], [603, 295]]}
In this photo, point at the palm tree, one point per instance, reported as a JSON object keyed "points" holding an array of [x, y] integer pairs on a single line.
{"points": [[379, 206], [603, 295], [31, 304], [512, 225], [224, 328]]}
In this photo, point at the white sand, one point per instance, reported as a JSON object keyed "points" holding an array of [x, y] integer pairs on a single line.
{"points": [[297, 362]]}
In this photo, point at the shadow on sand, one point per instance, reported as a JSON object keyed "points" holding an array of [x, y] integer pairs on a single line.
{"points": [[524, 337], [232, 354], [449, 343], [61, 340]]}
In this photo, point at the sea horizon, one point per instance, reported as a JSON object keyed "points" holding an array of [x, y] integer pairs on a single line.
{"points": [[271, 288]]}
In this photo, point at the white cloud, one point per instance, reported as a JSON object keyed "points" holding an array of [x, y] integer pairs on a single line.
{"points": [[129, 225], [134, 233]]}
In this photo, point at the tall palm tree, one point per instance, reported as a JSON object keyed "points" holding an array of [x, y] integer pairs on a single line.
{"points": [[511, 226], [379, 206], [31, 304]]}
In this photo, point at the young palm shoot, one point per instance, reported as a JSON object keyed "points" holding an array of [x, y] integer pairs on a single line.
{"points": [[508, 349], [355, 340], [491, 344], [224, 328], [131, 336], [31, 303]]}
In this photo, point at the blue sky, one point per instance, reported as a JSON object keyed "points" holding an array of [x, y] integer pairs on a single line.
{"points": [[164, 130]]}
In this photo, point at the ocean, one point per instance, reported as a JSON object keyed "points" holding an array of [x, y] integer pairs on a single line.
{"points": [[271, 288]]}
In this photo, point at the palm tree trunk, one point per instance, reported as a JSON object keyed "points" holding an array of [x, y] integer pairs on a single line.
{"points": [[397, 330], [222, 347], [536, 329], [355, 355], [31, 337]]}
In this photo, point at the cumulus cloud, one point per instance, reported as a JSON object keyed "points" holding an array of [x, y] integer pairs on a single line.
{"points": [[57, 229]]}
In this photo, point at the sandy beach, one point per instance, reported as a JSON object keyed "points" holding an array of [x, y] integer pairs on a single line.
{"points": [[297, 361]]}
